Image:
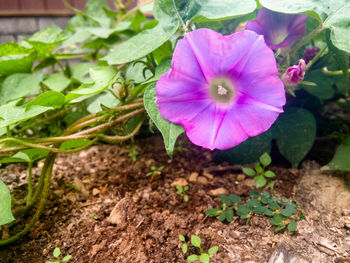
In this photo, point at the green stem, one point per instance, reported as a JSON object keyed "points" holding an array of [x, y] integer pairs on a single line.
{"points": [[30, 183], [319, 54], [333, 73], [307, 38], [49, 162], [118, 138], [74, 56], [131, 11]]}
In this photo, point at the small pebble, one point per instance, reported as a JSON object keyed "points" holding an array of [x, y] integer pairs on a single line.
{"points": [[218, 191], [193, 177], [240, 177], [209, 176], [180, 182], [202, 180]]}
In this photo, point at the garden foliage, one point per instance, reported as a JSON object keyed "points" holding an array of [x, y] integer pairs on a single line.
{"points": [[62, 90]]}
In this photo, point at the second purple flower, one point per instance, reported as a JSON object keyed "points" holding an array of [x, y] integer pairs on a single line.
{"points": [[279, 30]]}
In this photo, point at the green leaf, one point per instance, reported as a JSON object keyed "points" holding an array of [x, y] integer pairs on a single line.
{"points": [[229, 214], [254, 194], [74, 144], [235, 198], [268, 212], [295, 134], [162, 68], [258, 168], [289, 210], [140, 45], [29, 155], [213, 212], [10, 113], [248, 171], [15, 58], [248, 151], [106, 98], [341, 158], [225, 199], [66, 258], [56, 252], [323, 89], [277, 220], [50, 98], [259, 181], [184, 248], [79, 72], [243, 211], [45, 40], [292, 226], [213, 250], [222, 216], [182, 238], [204, 258], [279, 228], [332, 13], [269, 174], [195, 241], [192, 258], [56, 81], [265, 159], [20, 85], [169, 130], [200, 11], [5, 205]]}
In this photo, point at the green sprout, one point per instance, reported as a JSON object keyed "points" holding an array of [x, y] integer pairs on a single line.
{"points": [[179, 147], [284, 212], [182, 191], [56, 254], [155, 172], [259, 172], [196, 242], [133, 153]]}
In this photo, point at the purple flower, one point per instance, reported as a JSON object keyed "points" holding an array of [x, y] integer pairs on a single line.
{"points": [[279, 30], [222, 89], [294, 74], [309, 53]]}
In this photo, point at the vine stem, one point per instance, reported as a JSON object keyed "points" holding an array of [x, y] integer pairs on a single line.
{"points": [[333, 73], [49, 162], [30, 183], [118, 138], [319, 54], [131, 11]]}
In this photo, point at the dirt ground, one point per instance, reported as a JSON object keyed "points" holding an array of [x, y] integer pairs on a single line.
{"points": [[103, 208]]}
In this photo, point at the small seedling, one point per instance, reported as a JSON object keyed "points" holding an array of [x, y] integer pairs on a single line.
{"points": [[93, 217], [179, 147], [133, 153], [74, 187], [284, 212], [182, 191], [259, 172], [155, 172], [56, 254], [196, 242]]}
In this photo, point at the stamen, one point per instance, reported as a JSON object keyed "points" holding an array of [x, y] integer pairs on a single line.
{"points": [[222, 90]]}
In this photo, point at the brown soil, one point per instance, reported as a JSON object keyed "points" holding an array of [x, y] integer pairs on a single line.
{"points": [[120, 215]]}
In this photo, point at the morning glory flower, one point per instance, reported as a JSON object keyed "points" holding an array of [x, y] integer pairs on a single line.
{"points": [[279, 30], [222, 89], [294, 74]]}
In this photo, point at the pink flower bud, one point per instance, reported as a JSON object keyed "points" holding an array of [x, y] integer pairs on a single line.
{"points": [[294, 74]]}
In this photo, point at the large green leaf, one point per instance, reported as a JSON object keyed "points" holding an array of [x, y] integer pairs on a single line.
{"points": [[5, 205], [341, 159], [295, 133], [141, 44], [323, 89], [169, 130], [56, 81], [332, 13], [102, 77], [49, 98], [11, 113], [15, 58], [26, 156], [20, 85], [204, 10]]}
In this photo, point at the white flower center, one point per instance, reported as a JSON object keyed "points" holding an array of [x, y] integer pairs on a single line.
{"points": [[221, 90]]}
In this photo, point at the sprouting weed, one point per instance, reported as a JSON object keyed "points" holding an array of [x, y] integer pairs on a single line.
{"points": [[202, 256], [182, 191], [133, 153], [284, 212], [259, 172], [155, 172], [179, 147], [56, 254]]}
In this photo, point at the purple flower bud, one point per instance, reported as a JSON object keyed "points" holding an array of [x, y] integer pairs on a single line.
{"points": [[294, 74], [279, 30], [310, 53]]}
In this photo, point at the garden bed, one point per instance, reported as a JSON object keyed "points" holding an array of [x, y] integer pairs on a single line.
{"points": [[148, 215]]}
